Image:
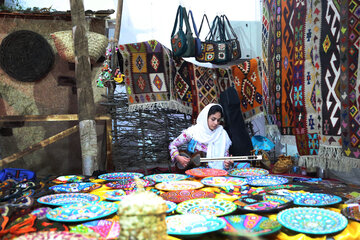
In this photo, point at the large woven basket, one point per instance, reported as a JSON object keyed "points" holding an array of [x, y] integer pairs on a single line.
{"points": [[26, 56], [64, 44]]}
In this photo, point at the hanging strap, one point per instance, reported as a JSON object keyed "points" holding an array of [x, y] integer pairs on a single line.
{"points": [[227, 27], [179, 14], [186, 19], [194, 25], [207, 20]]}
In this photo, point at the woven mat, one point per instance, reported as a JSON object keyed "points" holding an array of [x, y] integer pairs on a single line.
{"points": [[182, 81], [349, 83], [249, 88], [147, 75]]}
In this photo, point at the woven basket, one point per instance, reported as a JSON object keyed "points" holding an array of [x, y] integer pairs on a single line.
{"points": [[26, 56], [283, 164], [64, 44]]}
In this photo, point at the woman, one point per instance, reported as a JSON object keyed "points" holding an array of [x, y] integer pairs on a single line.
{"points": [[207, 136]]}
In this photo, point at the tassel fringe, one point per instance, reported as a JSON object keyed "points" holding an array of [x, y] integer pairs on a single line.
{"points": [[330, 158]]}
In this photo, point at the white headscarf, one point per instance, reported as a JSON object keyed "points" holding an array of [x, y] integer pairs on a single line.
{"points": [[217, 140]]}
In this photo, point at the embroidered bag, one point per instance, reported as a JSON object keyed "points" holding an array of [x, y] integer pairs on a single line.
{"points": [[178, 40], [197, 41], [190, 50], [207, 53], [221, 44], [233, 41]]}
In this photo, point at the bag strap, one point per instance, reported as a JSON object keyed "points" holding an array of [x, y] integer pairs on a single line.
{"points": [[228, 26], [194, 25], [179, 14], [216, 30], [207, 20], [186, 19]]}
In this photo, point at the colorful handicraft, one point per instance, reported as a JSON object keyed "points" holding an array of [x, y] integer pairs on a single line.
{"points": [[147, 72], [82, 212], [249, 87], [263, 203], [303, 220], [205, 89], [193, 225], [182, 88], [206, 206], [250, 225], [183, 195]]}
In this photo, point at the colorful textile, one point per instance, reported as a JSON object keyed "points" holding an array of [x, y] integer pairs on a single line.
{"points": [[298, 94], [249, 87], [205, 88], [349, 81], [147, 74], [107, 229], [182, 89]]}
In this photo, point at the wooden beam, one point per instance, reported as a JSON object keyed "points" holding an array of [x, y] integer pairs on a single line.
{"points": [[48, 118], [39, 145]]}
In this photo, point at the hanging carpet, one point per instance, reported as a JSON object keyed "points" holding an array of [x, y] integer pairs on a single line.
{"points": [[147, 69], [249, 88]]}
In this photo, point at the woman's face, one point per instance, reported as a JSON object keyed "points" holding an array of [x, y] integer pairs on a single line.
{"points": [[214, 120]]}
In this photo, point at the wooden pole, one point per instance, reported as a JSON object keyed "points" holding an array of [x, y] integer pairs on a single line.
{"points": [[118, 21], [39, 145], [86, 105]]}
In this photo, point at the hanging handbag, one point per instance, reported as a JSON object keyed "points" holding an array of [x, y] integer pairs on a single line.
{"points": [[178, 40], [232, 39], [207, 53], [197, 41], [218, 38], [190, 50]]}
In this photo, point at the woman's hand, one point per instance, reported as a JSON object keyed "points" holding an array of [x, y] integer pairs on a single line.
{"points": [[228, 164], [184, 161]]}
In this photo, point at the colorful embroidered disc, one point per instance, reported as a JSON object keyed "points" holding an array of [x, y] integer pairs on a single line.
{"points": [[315, 199], [115, 195], [178, 185], [130, 185], [260, 181], [223, 181], [166, 177], [248, 172], [76, 187], [206, 206], [312, 220], [192, 224], [263, 203], [171, 206], [206, 172], [68, 198], [69, 179], [52, 235], [82, 212], [118, 176], [352, 212], [250, 225], [183, 195]]}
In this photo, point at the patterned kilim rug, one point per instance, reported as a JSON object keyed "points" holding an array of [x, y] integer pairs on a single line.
{"points": [[224, 80], [349, 82], [182, 85], [249, 88], [205, 88], [147, 69], [330, 139], [285, 50], [299, 84]]}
